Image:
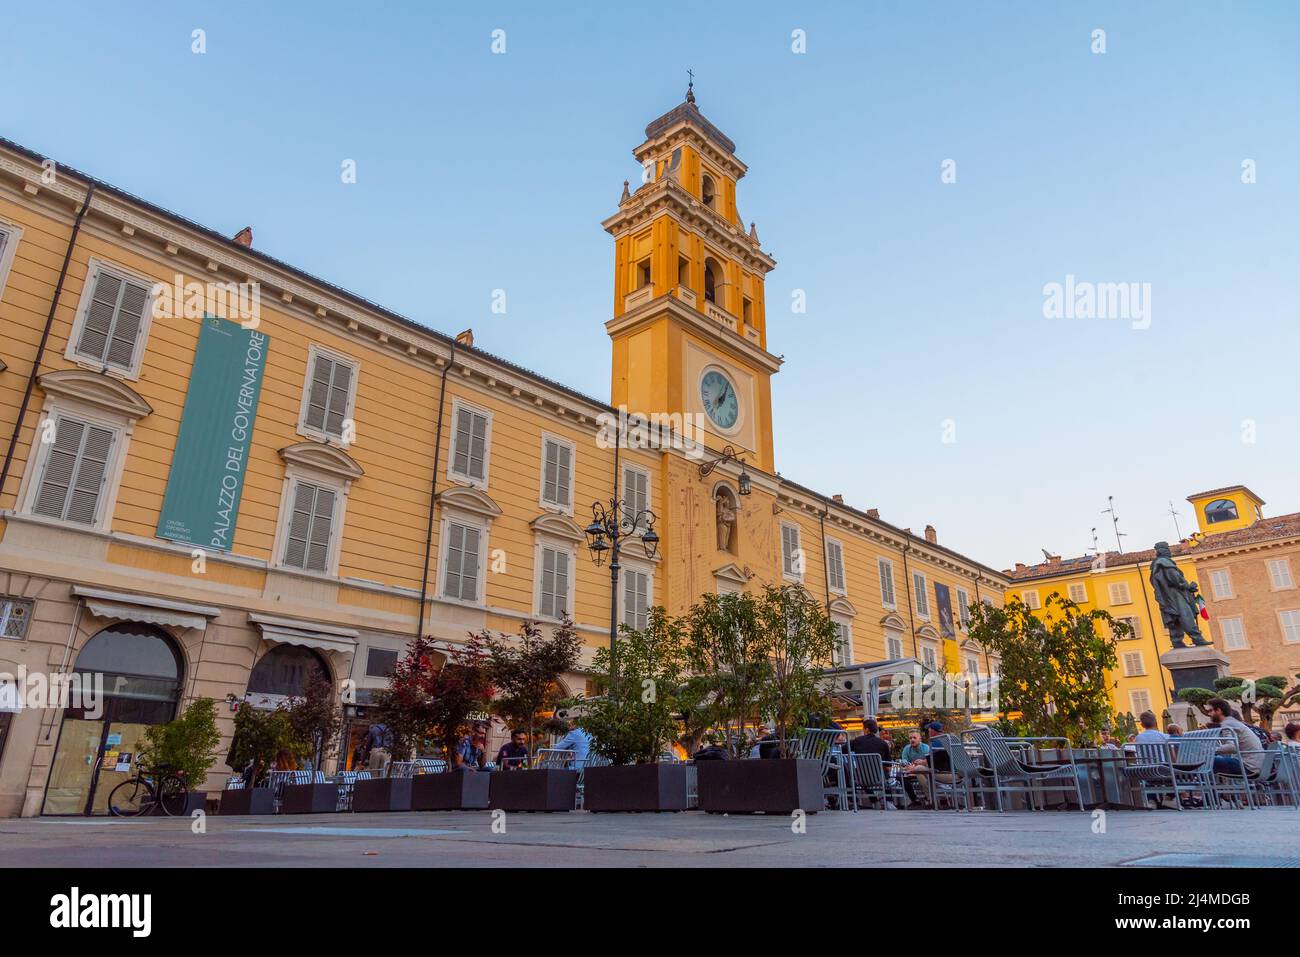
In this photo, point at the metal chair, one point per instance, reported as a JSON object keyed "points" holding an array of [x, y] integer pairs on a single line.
{"points": [[400, 769], [1235, 786], [554, 758], [347, 781], [867, 775], [590, 761], [430, 766], [964, 778], [820, 745], [1174, 768], [1009, 772], [235, 783]]}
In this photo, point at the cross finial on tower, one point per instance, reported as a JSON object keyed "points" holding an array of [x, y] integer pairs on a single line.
{"points": [[690, 86]]}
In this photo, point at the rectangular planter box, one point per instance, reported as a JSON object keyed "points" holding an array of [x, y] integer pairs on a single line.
{"points": [[382, 794], [760, 787], [450, 791], [309, 799], [540, 789], [635, 787], [247, 801]]}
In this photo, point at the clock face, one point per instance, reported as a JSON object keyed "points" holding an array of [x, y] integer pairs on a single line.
{"points": [[720, 401]]}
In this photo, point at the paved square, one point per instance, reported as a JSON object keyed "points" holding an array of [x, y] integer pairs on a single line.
{"points": [[1265, 838]]}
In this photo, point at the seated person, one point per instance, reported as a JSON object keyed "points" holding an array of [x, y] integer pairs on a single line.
{"points": [[1248, 752], [1149, 733], [1291, 735], [513, 755], [579, 742], [870, 742], [916, 764]]}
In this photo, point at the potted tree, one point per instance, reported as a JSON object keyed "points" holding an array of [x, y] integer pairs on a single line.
{"points": [[525, 674], [315, 717], [460, 691], [763, 655], [259, 737], [188, 745], [634, 720]]}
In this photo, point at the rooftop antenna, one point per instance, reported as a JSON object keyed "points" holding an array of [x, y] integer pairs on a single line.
{"points": [[1174, 512], [1096, 548], [1114, 520]]}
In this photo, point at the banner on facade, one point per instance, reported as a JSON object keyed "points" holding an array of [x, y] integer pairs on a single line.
{"points": [[943, 599], [207, 474]]}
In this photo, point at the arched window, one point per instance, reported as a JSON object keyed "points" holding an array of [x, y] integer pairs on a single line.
{"points": [[284, 670], [137, 661], [708, 192], [1221, 510], [712, 279]]}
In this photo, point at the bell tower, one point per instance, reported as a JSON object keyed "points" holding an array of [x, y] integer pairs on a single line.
{"points": [[689, 330]]}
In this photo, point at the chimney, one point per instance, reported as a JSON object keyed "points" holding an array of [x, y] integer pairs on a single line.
{"points": [[837, 499], [1053, 559], [1020, 566], [245, 237], [931, 535], [873, 513], [466, 338]]}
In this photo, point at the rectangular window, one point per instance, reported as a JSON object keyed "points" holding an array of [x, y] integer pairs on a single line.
{"points": [[557, 473], [15, 613], [553, 588], [111, 320], [1133, 623], [887, 583], [1078, 592], [380, 662], [835, 565], [460, 577], [469, 445], [1133, 664], [791, 553], [963, 608], [75, 472], [928, 657], [1279, 573], [8, 242], [972, 666], [1234, 636], [894, 647], [1030, 598], [636, 492], [922, 599], [636, 599], [311, 527], [1290, 626], [1139, 700], [843, 651], [328, 395], [1119, 593], [1221, 583]]}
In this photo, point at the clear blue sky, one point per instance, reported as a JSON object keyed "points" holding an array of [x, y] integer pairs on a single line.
{"points": [[480, 171]]}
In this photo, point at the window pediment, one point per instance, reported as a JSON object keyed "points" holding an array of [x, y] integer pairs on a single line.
{"points": [[842, 606], [322, 458], [733, 573], [93, 388], [892, 621], [557, 526], [927, 633], [472, 500]]}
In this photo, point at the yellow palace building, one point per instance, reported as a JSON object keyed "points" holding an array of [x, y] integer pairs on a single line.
{"points": [[222, 473], [1117, 582]]}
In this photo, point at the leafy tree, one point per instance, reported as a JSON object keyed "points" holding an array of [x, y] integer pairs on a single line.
{"points": [[635, 718], [259, 738], [317, 717], [1259, 695], [188, 744], [797, 637], [526, 672], [1054, 666], [725, 652], [427, 703]]}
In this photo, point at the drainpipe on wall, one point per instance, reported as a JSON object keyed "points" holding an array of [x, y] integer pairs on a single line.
{"points": [[911, 605], [433, 491], [45, 337]]}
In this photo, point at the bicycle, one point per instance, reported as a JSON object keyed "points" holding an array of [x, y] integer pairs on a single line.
{"points": [[149, 790]]}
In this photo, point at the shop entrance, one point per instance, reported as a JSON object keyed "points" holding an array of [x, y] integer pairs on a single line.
{"points": [[141, 670]]}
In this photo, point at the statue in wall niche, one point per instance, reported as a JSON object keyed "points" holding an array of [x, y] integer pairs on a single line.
{"points": [[1176, 597], [726, 520]]}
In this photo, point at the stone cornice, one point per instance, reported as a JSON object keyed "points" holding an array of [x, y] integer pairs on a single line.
{"points": [[707, 329]]}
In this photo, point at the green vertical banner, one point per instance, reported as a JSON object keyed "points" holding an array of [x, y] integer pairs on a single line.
{"points": [[207, 476]]}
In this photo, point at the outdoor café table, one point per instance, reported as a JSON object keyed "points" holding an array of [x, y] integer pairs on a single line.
{"points": [[1101, 777]]}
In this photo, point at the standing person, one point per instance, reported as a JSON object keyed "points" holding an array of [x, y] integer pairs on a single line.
{"points": [[1248, 751], [916, 763], [1149, 734], [379, 746], [579, 742], [514, 753]]}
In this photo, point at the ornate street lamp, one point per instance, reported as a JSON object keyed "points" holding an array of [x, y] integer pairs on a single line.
{"points": [[607, 533], [729, 454]]}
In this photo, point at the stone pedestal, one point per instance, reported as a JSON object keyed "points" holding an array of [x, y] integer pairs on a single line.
{"points": [[1192, 667]]}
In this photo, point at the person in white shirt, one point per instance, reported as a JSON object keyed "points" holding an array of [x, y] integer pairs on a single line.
{"points": [[1149, 734], [1291, 735]]}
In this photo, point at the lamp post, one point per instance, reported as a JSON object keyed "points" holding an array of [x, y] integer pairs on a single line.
{"points": [[728, 455], [608, 530]]}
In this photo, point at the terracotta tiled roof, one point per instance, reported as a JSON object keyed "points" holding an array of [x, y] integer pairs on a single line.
{"points": [[1266, 529], [1225, 489]]}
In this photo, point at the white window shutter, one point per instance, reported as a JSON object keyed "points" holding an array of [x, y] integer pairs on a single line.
{"points": [[886, 583], [469, 457], [469, 566], [464, 431], [303, 503], [548, 585], [564, 475], [75, 472], [98, 323], [340, 388], [455, 556], [322, 522], [318, 390], [126, 328], [113, 321]]}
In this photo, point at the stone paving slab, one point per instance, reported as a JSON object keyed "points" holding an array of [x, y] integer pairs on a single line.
{"points": [[691, 839]]}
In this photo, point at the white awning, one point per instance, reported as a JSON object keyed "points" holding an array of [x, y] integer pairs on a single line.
{"points": [[125, 606], [309, 634]]}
